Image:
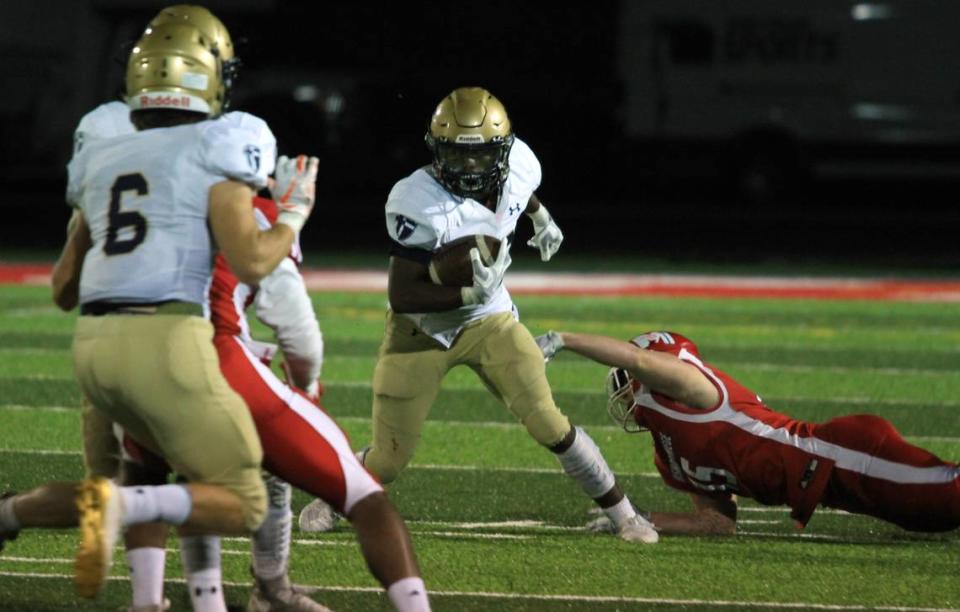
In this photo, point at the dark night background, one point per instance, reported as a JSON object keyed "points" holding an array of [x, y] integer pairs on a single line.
{"points": [[355, 83]]}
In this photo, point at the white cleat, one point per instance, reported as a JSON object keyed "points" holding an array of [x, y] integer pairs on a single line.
{"points": [[278, 595], [101, 519], [638, 529], [152, 608], [318, 516]]}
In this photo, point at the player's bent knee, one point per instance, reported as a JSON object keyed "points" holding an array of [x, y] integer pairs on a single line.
{"points": [[385, 466], [548, 426], [253, 498]]}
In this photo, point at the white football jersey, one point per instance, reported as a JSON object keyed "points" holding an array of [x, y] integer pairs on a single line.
{"points": [[144, 196], [113, 119], [105, 121], [422, 214]]}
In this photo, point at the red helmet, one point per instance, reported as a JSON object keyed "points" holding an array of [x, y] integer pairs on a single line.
{"points": [[666, 341]]}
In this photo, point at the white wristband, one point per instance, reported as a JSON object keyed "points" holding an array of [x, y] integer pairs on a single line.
{"points": [[291, 219], [540, 216]]}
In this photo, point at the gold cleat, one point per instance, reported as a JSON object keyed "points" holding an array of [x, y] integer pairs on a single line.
{"points": [[101, 517]]}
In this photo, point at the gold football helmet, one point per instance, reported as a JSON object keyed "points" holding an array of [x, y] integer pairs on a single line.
{"points": [[176, 66], [470, 138], [200, 18]]}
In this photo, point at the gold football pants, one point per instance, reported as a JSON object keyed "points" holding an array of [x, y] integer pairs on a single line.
{"points": [[158, 376], [411, 366]]}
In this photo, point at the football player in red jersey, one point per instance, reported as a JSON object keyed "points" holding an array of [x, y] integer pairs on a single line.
{"points": [[302, 444], [716, 440]]}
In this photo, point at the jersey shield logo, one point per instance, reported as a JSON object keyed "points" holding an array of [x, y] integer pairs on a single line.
{"points": [[253, 156], [405, 227]]}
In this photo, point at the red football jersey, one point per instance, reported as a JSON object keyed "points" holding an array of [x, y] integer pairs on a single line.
{"points": [[740, 446], [229, 298]]}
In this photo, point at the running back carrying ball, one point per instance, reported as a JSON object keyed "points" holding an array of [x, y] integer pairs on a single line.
{"points": [[451, 264]]}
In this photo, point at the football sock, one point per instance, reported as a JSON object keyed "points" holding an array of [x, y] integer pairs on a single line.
{"points": [[201, 564], [271, 542], [146, 575], [409, 595], [8, 520], [166, 503], [206, 592], [584, 463], [620, 512]]}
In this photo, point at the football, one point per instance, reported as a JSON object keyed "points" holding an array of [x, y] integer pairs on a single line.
{"points": [[451, 263]]}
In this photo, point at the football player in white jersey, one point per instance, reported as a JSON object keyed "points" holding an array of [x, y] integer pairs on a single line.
{"points": [[481, 180], [290, 441], [151, 207], [303, 351]]}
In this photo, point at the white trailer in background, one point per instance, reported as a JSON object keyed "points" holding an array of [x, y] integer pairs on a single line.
{"points": [[779, 89]]}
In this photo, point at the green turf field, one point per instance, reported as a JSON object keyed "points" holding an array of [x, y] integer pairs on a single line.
{"points": [[495, 524]]}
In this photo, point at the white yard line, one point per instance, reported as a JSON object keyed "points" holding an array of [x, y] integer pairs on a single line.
{"points": [[548, 596]]}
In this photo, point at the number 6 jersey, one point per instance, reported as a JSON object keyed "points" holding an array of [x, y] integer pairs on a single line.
{"points": [[145, 199]]}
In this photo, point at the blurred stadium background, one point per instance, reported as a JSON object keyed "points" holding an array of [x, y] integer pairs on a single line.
{"points": [[756, 131]]}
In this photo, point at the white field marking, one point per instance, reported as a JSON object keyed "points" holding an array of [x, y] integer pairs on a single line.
{"points": [[757, 522], [539, 525], [510, 425], [809, 369], [25, 408], [477, 536], [858, 400], [43, 377], [545, 597], [32, 311], [748, 365], [787, 509], [24, 350], [38, 451], [519, 470], [813, 536]]}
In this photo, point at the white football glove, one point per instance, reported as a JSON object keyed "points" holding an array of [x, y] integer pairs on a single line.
{"points": [[486, 280], [294, 189], [550, 344], [546, 235]]}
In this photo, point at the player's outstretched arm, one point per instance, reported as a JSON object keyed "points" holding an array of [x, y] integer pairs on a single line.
{"points": [[546, 233], [65, 280], [251, 252], [713, 516], [410, 289], [661, 372], [283, 304]]}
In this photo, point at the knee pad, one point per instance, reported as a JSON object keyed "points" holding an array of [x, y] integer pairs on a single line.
{"points": [[254, 498], [386, 467]]}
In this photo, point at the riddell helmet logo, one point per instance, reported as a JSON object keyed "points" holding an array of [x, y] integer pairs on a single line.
{"points": [[165, 101]]}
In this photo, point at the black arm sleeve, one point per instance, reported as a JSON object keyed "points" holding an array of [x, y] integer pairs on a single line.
{"points": [[421, 256]]}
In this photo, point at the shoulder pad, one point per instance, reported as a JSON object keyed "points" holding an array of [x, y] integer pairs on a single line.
{"points": [[413, 212], [524, 165], [244, 151], [105, 121]]}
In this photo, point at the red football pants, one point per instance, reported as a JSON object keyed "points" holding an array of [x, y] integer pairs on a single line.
{"points": [[301, 443], [880, 474]]}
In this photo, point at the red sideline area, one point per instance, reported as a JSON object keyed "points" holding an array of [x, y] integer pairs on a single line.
{"points": [[675, 285]]}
